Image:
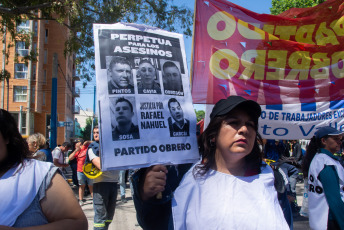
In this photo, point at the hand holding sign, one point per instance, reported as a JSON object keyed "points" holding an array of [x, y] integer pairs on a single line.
{"points": [[154, 181]]}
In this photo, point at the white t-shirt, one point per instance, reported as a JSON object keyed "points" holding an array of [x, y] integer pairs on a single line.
{"points": [[222, 201], [318, 208], [107, 176], [58, 154]]}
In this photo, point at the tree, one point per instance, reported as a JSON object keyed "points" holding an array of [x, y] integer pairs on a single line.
{"points": [[79, 16], [200, 114], [86, 132], [279, 6]]}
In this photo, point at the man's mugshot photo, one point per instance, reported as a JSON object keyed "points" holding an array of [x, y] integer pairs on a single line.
{"points": [[172, 79], [120, 77], [178, 125], [123, 119]]}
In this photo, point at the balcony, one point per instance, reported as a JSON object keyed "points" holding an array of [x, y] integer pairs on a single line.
{"points": [[76, 109], [76, 92]]}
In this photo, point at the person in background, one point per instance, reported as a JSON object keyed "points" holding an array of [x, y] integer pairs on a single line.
{"points": [[36, 144], [79, 154], [73, 163], [122, 185], [45, 200], [230, 188], [58, 155], [297, 151], [325, 180], [104, 187]]}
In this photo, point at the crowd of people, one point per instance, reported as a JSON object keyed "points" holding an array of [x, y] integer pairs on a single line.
{"points": [[239, 177]]}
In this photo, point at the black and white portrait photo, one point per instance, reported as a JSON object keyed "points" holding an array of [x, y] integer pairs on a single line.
{"points": [[148, 78], [172, 79], [123, 119], [178, 125], [120, 78]]}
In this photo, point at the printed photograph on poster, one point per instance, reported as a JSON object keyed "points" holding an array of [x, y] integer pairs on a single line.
{"points": [[123, 119], [145, 105], [120, 78], [172, 78], [147, 76], [178, 125]]}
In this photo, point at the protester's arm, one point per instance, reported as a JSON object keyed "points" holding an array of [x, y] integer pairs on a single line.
{"points": [[330, 181], [74, 154], [60, 207], [57, 164]]}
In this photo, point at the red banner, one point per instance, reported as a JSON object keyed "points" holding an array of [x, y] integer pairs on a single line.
{"points": [[296, 57]]}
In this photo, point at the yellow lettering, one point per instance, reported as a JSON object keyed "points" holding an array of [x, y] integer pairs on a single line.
{"points": [[254, 63], [221, 55], [227, 32], [325, 36], [338, 26], [338, 64], [246, 32], [270, 29], [320, 69], [285, 32], [304, 34], [299, 63], [277, 64]]}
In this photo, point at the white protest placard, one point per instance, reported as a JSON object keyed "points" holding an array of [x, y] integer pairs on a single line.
{"points": [[146, 115]]}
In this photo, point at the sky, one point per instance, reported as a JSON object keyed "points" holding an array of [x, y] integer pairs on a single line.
{"points": [[87, 94]]}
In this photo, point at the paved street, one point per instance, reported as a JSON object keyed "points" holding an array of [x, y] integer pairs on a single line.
{"points": [[125, 215]]}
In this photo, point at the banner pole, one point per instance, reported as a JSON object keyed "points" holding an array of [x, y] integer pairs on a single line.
{"points": [[192, 46]]}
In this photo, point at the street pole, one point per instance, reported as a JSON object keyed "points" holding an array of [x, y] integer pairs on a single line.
{"points": [[94, 112], [53, 121], [20, 118]]}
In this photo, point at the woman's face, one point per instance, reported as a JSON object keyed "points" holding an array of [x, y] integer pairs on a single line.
{"points": [[332, 143], [32, 146], [147, 73], [236, 137], [3, 148]]}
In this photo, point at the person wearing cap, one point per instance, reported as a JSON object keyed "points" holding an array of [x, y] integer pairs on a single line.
{"points": [[325, 180], [230, 188]]}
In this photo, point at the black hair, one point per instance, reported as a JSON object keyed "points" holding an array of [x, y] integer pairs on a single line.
{"points": [[207, 147], [118, 60], [312, 148], [169, 64], [95, 127], [171, 101], [67, 145], [17, 148], [122, 99]]}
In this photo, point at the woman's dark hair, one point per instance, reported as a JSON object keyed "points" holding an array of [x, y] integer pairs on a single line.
{"points": [[207, 148], [17, 148], [312, 148]]}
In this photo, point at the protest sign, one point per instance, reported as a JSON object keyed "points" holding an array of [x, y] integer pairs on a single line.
{"points": [[292, 63], [146, 115]]}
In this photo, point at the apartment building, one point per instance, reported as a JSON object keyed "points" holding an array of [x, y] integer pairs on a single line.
{"points": [[27, 94]]}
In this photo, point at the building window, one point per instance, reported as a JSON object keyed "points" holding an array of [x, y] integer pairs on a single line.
{"points": [[46, 36], [19, 93], [45, 56], [22, 49], [20, 71], [24, 26], [35, 28], [45, 76], [33, 72], [33, 94], [23, 121], [35, 48], [43, 98]]}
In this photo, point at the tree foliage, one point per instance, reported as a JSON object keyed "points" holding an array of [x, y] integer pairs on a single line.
{"points": [[279, 6], [79, 16], [200, 114], [86, 132]]}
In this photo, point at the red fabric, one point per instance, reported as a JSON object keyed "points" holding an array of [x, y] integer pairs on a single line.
{"points": [[304, 66], [80, 156]]}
